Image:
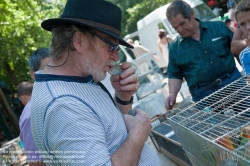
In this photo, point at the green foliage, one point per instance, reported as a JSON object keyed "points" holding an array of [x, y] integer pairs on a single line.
{"points": [[134, 10], [21, 34]]}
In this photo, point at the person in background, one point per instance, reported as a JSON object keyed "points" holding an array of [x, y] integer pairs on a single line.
{"points": [[24, 91], [215, 7], [72, 112], [138, 49], [129, 50], [201, 54], [231, 8], [242, 15], [231, 4], [163, 43], [238, 42], [37, 61]]}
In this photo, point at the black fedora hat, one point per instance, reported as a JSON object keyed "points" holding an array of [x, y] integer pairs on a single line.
{"points": [[98, 14]]}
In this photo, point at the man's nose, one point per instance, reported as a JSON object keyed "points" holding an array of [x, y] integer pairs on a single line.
{"points": [[114, 55], [179, 29]]}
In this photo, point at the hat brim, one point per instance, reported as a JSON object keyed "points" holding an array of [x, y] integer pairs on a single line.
{"points": [[50, 23]]}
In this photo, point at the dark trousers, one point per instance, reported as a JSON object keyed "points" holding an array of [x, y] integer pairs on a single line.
{"points": [[198, 94]]}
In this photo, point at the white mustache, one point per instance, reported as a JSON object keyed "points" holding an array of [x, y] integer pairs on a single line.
{"points": [[111, 63]]}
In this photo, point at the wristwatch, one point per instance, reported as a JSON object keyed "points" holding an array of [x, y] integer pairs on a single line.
{"points": [[124, 102]]}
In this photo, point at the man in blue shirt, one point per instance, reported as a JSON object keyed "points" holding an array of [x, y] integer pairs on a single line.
{"points": [[74, 119], [200, 54]]}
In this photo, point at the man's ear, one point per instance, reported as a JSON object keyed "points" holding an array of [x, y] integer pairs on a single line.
{"points": [[192, 14], [78, 41], [21, 98]]}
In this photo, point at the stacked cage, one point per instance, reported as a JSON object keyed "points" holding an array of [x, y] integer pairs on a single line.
{"points": [[216, 130]]}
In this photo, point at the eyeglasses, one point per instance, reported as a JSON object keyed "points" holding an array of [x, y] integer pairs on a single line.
{"points": [[113, 47]]}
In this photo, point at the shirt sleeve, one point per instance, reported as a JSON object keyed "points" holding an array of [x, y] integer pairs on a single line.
{"points": [[76, 134], [174, 70], [245, 61], [26, 136]]}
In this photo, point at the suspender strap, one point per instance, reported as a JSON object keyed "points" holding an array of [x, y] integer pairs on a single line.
{"points": [[105, 89]]}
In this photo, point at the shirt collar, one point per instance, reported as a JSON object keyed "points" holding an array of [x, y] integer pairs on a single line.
{"points": [[202, 26], [51, 77]]}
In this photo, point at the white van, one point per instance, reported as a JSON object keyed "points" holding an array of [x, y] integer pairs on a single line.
{"points": [[148, 26]]}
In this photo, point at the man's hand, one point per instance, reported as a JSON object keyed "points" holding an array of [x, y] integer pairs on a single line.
{"points": [[170, 102], [126, 83], [238, 43], [138, 125], [174, 88]]}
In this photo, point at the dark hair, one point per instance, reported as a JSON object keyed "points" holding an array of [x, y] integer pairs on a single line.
{"points": [[179, 7], [227, 20], [243, 6], [36, 57], [24, 88], [162, 33]]}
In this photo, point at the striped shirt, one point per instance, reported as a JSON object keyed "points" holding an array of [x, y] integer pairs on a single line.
{"points": [[245, 60], [75, 122]]}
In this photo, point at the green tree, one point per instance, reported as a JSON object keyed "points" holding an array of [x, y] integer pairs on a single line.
{"points": [[134, 10], [21, 34]]}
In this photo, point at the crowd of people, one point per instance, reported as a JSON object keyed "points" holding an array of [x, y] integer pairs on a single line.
{"points": [[70, 118], [37, 61], [225, 8]]}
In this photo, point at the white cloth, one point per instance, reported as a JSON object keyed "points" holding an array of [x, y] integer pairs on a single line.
{"points": [[139, 50], [231, 14], [164, 48], [216, 11]]}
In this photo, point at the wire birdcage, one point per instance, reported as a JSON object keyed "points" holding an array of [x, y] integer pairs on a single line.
{"points": [[216, 129]]}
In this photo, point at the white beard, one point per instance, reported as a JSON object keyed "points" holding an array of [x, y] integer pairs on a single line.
{"points": [[95, 70]]}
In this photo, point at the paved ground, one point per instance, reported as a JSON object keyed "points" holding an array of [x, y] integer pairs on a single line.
{"points": [[184, 97], [164, 160]]}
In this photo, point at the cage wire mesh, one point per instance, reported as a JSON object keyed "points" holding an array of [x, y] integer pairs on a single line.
{"points": [[217, 128]]}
